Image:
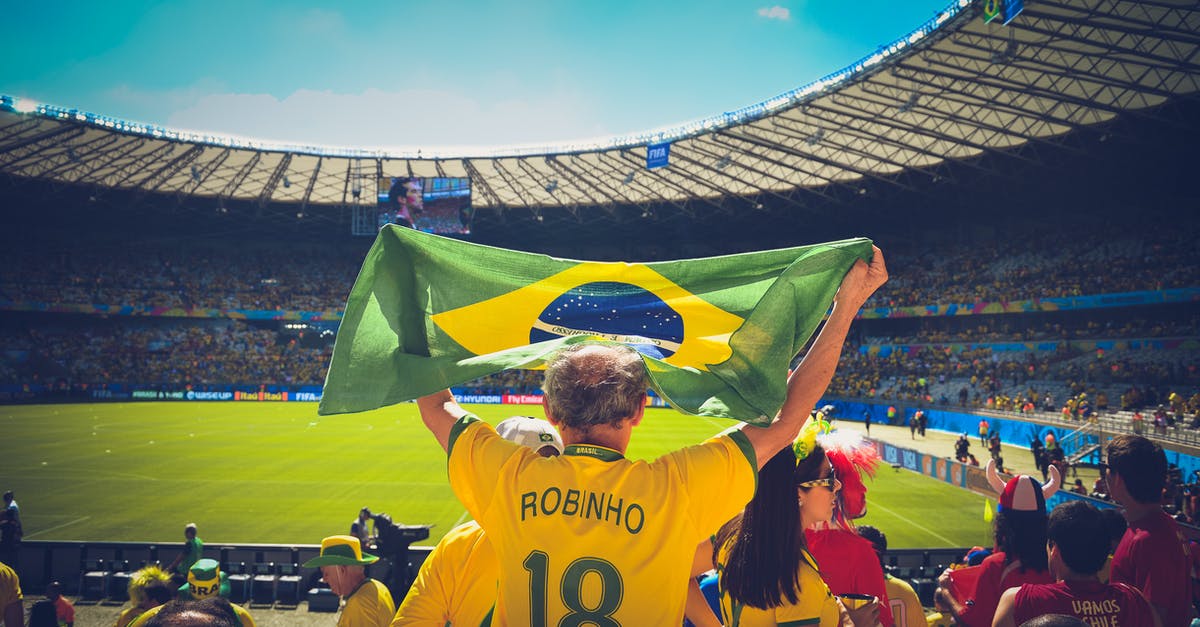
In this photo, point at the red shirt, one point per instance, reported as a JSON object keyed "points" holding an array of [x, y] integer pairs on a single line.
{"points": [[994, 578], [1092, 602], [850, 565], [1151, 557]]}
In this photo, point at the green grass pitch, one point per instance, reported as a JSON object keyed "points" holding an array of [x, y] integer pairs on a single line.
{"points": [[277, 473]]}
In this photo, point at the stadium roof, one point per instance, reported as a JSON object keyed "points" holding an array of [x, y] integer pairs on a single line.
{"points": [[954, 90]]}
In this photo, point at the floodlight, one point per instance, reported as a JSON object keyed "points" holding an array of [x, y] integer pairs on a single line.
{"points": [[24, 105]]}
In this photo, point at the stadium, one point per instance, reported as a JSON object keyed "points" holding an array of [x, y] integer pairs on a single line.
{"points": [[170, 299]]}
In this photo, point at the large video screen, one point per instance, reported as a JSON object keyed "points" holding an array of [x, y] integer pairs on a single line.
{"points": [[431, 204]]}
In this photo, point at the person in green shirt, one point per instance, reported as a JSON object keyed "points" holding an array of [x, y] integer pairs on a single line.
{"points": [[193, 550]]}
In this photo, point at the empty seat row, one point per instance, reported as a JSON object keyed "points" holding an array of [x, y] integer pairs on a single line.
{"points": [[260, 584]]}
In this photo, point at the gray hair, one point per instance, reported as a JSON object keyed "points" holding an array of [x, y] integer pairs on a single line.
{"points": [[588, 385]]}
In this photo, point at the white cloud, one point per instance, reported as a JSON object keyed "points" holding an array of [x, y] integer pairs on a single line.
{"points": [[775, 13], [405, 120]]}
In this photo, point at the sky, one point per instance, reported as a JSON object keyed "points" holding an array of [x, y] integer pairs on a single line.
{"points": [[439, 75]]}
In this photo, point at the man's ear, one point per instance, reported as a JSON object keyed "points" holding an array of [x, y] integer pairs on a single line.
{"points": [[636, 418], [549, 416]]}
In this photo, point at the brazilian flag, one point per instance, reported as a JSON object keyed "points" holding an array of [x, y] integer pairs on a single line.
{"points": [[717, 334]]}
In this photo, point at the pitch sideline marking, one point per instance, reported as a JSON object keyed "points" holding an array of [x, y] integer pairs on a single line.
{"points": [[461, 519], [915, 524], [66, 524]]}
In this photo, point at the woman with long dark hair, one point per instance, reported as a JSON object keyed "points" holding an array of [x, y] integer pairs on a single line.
{"points": [[766, 574], [1020, 555]]}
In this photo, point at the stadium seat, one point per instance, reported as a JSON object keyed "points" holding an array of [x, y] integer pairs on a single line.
{"points": [[93, 582], [924, 584], [239, 582], [322, 600], [118, 581], [287, 587], [262, 584]]}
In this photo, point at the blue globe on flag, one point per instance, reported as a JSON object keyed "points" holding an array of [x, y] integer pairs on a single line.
{"points": [[615, 311]]}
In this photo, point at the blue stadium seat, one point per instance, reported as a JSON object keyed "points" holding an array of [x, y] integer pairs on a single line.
{"points": [[323, 600], [93, 582], [262, 584], [287, 587], [239, 582], [118, 581]]}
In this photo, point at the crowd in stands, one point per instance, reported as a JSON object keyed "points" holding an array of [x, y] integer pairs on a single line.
{"points": [[223, 352], [317, 277], [216, 276], [1038, 265]]}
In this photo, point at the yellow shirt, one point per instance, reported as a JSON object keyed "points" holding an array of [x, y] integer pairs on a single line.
{"points": [[905, 604], [128, 615], [456, 584], [815, 604], [370, 605], [10, 588], [590, 537]]}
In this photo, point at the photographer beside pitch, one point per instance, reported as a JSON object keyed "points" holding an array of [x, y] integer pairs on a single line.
{"points": [[590, 537]]}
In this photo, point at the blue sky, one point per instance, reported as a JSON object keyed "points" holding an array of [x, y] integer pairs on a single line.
{"points": [[406, 75]]}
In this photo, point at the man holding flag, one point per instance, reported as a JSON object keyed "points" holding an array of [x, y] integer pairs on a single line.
{"points": [[590, 537]]}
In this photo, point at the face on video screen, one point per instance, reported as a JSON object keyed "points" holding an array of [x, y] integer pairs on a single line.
{"points": [[439, 205]]}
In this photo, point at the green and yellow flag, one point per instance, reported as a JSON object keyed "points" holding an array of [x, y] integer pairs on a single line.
{"points": [[717, 334]]}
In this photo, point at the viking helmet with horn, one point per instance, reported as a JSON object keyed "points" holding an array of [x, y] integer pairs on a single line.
{"points": [[1023, 493]]}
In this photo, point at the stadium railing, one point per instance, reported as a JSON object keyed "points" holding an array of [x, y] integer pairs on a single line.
{"points": [[43, 561]]}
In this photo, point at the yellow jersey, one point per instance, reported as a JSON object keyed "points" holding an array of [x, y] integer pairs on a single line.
{"points": [[815, 604], [589, 537], [456, 584], [905, 604], [369, 605]]}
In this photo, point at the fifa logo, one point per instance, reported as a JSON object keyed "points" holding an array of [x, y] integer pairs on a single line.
{"points": [[658, 152]]}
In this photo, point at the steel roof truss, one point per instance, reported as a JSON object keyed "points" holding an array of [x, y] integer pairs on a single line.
{"points": [[790, 133], [1122, 55], [139, 164], [70, 132], [208, 170], [1004, 84], [1072, 59], [719, 191], [128, 145], [268, 190], [866, 136], [481, 181], [312, 182], [586, 185], [534, 175], [649, 196], [510, 181], [240, 176], [1031, 117], [763, 174], [1160, 32], [932, 133], [627, 156], [170, 169], [586, 173], [811, 156], [77, 160]]}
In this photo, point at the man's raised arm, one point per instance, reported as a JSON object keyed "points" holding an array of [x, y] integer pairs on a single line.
{"points": [[440, 411], [812, 376]]}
